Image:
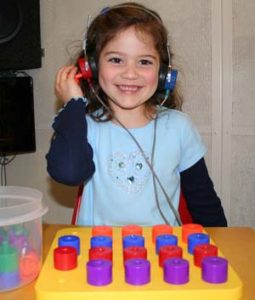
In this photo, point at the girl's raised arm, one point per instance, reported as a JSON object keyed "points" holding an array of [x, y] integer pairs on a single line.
{"points": [[69, 160]]}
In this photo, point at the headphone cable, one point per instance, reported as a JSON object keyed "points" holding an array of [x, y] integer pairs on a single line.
{"points": [[153, 176]]}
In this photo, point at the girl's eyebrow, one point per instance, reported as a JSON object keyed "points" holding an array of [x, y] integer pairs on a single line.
{"points": [[114, 53], [121, 53], [149, 56]]}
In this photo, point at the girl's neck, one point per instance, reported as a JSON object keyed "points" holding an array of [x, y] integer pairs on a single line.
{"points": [[134, 118]]}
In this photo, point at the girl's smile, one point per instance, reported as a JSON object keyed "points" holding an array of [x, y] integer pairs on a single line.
{"points": [[128, 70], [128, 88]]}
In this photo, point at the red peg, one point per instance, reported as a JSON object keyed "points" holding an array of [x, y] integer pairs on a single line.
{"points": [[203, 250], [134, 252], [65, 258], [100, 253], [169, 251]]}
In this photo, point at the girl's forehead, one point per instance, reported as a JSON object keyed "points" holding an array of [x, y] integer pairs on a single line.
{"points": [[139, 33], [133, 36]]}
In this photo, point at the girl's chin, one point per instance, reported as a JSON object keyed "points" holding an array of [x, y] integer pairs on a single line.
{"points": [[125, 106]]}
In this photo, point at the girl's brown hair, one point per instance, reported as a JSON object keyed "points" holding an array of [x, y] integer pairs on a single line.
{"points": [[104, 28]]}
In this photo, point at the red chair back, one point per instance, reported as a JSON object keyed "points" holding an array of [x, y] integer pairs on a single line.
{"points": [[77, 205], [183, 211]]}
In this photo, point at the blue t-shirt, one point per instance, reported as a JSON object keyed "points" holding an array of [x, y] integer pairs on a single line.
{"points": [[121, 190]]}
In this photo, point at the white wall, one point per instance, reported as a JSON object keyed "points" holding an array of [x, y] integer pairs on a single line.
{"points": [[213, 42]]}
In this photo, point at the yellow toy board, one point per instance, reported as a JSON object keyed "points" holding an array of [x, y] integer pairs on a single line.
{"points": [[54, 284]]}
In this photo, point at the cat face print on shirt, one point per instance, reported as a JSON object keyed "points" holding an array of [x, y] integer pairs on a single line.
{"points": [[129, 171]]}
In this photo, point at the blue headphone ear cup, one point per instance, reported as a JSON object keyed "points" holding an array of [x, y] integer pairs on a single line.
{"points": [[170, 80], [167, 78], [162, 77]]}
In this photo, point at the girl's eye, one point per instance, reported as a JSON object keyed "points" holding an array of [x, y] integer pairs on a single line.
{"points": [[145, 62], [115, 60]]}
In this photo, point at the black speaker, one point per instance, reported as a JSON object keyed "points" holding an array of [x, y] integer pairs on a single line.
{"points": [[20, 38], [17, 125]]}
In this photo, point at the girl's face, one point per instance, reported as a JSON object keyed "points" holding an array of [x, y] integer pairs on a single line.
{"points": [[128, 70]]}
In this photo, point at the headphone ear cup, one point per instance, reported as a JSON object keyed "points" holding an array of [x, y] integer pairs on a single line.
{"points": [[93, 66], [162, 77], [84, 68], [167, 78], [170, 81], [88, 68]]}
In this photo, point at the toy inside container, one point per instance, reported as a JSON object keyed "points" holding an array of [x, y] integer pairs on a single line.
{"points": [[21, 211]]}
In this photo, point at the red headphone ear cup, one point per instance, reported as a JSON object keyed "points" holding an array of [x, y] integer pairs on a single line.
{"points": [[85, 69]]}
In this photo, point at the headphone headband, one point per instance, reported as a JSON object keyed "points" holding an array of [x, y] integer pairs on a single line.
{"points": [[106, 9]]}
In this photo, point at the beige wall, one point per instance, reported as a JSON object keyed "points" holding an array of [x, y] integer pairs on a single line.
{"points": [[217, 78]]}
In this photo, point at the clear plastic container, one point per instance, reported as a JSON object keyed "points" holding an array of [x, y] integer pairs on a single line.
{"points": [[21, 211]]}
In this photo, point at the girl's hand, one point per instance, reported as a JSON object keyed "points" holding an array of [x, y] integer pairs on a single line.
{"points": [[66, 86]]}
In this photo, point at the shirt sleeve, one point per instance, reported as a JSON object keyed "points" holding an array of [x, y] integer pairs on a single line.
{"points": [[192, 147], [70, 157], [202, 201]]}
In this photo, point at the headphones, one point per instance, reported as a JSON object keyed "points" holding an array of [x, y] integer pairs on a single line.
{"points": [[89, 70]]}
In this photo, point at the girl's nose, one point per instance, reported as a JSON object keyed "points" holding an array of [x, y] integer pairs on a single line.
{"points": [[130, 71]]}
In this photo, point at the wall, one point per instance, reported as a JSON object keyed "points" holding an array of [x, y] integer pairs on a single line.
{"points": [[213, 42], [242, 155]]}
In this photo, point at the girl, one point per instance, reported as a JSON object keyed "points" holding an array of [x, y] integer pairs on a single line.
{"points": [[121, 133]]}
